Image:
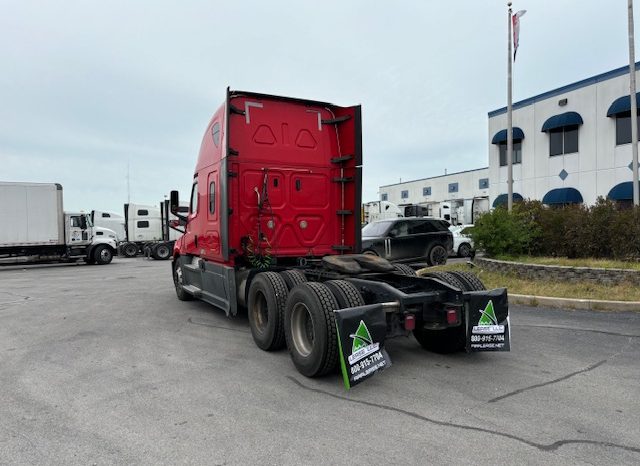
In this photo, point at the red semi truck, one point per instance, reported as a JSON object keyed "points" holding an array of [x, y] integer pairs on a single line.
{"points": [[274, 228]]}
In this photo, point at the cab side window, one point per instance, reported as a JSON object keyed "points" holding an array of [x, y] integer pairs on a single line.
{"points": [[194, 198]]}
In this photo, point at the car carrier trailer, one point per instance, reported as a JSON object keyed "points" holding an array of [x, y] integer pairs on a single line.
{"points": [[274, 228]]}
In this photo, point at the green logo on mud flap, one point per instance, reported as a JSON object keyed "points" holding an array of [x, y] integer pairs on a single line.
{"points": [[361, 338], [488, 315]]}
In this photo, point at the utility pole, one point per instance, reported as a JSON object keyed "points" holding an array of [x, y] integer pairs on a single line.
{"points": [[634, 106], [128, 184], [509, 119]]}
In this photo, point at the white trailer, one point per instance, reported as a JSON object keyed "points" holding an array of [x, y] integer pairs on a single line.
{"points": [[36, 228]]}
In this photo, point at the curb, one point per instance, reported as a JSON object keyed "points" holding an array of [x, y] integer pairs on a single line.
{"points": [[571, 303]]}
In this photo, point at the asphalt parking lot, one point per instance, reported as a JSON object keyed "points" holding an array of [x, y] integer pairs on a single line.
{"points": [[103, 365]]}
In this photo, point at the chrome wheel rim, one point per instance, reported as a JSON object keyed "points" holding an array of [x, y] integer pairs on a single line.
{"points": [[302, 330]]}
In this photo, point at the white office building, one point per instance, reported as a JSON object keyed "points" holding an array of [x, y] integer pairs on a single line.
{"points": [[571, 144], [457, 197]]}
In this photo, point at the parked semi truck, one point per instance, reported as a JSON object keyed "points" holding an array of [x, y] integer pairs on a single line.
{"points": [[380, 210], [110, 220], [274, 228], [147, 230], [37, 229]]}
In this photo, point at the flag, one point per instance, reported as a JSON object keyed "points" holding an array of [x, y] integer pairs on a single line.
{"points": [[516, 30]]}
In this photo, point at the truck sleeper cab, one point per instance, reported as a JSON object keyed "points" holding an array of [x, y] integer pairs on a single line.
{"points": [[274, 227]]}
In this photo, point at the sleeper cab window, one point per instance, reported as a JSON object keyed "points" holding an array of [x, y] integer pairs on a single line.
{"points": [[215, 132]]}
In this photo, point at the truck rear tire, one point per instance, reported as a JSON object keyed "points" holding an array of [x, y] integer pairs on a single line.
{"points": [[178, 281], [472, 282], [448, 278], [102, 254], [405, 270], [293, 278], [346, 294], [265, 305], [161, 252], [129, 249], [310, 329]]}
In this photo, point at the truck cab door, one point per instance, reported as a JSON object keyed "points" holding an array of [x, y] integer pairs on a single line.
{"points": [[191, 238], [77, 230]]}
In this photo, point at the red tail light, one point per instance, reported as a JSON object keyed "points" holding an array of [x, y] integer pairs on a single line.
{"points": [[452, 316], [409, 322]]}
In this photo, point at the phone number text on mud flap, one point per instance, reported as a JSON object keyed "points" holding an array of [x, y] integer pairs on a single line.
{"points": [[487, 338], [366, 362]]}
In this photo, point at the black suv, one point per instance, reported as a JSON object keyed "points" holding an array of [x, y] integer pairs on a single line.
{"points": [[409, 240]]}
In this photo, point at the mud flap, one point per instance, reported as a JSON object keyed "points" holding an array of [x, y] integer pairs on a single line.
{"points": [[361, 334], [487, 320]]}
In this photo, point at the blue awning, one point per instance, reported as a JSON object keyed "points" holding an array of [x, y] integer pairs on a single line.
{"points": [[502, 199], [561, 121], [562, 196], [621, 105], [501, 136], [622, 192]]}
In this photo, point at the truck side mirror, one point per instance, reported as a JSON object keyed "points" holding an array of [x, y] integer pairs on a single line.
{"points": [[174, 202], [83, 222]]}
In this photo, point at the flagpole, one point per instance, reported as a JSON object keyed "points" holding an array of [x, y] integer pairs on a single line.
{"points": [[634, 107], [509, 120]]}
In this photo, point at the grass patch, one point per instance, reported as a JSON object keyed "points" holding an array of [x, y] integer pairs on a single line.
{"points": [[558, 289], [593, 263]]}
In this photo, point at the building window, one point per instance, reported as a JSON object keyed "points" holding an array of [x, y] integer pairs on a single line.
{"points": [[143, 212], [623, 128], [384, 197], [143, 224], [426, 191], [453, 187], [563, 140], [517, 153], [483, 183], [404, 194]]}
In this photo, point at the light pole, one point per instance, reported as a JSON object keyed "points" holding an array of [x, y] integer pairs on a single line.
{"points": [[634, 107], [509, 120]]}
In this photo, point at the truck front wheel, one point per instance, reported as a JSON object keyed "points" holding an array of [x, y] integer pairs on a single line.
{"points": [[178, 281], [265, 306], [102, 254], [310, 329]]}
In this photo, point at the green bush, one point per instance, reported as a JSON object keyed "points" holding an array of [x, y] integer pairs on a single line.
{"points": [[604, 230], [501, 232]]}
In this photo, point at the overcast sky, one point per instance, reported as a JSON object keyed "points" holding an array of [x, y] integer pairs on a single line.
{"points": [[88, 87]]}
